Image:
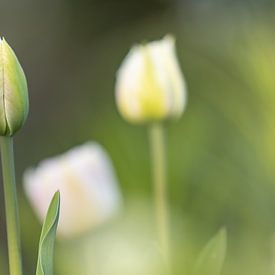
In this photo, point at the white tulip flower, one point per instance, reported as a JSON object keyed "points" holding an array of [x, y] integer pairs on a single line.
{"points": [[150, 85], [88, 188]]}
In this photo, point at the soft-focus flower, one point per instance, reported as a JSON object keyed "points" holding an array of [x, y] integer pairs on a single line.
{"points": [[14, 103], [150, 85], [88, 188], [126, 247]]}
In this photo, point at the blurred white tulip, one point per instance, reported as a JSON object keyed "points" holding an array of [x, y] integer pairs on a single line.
{"points": [[88, 187], [150, 85]]}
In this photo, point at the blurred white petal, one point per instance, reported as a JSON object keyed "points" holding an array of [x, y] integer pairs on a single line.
{"points": [[87, 184]]}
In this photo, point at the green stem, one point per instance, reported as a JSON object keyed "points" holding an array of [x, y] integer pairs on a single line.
{"points": [[11, 206], [157, 144]]}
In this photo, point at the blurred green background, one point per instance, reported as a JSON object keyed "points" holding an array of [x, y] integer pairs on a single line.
{"points": [[221, 152]]}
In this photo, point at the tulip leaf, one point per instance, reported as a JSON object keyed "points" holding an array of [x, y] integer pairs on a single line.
{"points": [[211, 258], [47, 238]]}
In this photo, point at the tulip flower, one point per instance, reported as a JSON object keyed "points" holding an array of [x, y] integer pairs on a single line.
{"points": [[150, 85], [14, 102], [88, 188], [150, 88], [14, 105]]}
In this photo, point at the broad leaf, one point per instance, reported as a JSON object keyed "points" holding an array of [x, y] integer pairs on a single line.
{"points": [[47, 238], [211, 258]]}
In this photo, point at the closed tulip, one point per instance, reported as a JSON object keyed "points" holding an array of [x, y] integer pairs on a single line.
{"points": [[14, 103], [150, 85], [88, 188]]}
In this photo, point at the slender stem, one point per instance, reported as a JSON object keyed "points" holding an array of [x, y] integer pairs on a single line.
{"points": [[157, 144], [11, 206]]}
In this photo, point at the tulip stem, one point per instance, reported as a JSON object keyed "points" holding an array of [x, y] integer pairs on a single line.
{"points": [[157, 146], [11, 207]]}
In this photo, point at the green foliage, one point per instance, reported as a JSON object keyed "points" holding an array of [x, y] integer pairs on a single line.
{"points": [[211, 258], [47, 238]]}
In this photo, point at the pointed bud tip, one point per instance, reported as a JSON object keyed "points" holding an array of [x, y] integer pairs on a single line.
{"points": [[170, 37], [3, 40]]}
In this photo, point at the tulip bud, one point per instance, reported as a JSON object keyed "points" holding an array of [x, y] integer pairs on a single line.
{"points": [[150, 85], [14, 102], [88, 188]]}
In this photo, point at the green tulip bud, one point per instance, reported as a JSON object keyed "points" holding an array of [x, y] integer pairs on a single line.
{"points": [[14, 103]]}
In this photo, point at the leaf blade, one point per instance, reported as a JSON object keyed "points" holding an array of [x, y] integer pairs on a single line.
{"points": [[212, 256], [47, 238]]}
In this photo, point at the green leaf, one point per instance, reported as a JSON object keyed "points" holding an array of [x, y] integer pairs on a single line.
{"points": [[211, 258], [47, 238]]}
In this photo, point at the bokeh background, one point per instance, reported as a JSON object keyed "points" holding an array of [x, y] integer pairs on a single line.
{"points": [[221, 152]]}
